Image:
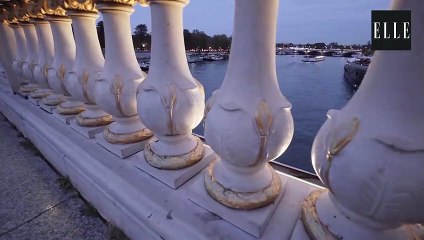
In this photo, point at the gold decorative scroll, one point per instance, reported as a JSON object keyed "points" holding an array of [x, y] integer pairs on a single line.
{"points": [[21, 11], [4, 15], [7, 13], [35, 11], [79, 5], [143, 3], [126, 2], [52, 8]]}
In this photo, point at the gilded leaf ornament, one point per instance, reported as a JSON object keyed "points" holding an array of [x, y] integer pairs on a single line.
{"points": [[83, 80], [339, 139], [169, 101], [264, 123], [61, 75], [115, 89]]}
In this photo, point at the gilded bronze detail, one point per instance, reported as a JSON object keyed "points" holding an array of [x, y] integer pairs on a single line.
{"points": [[39, 94], [35, 10], [53, 8], [126, 2], [126, 138], [115, 89], [94, 122], [173, 162], [264, 124], [169, 102], [336, 147], [79, 5], [52, 101], [26, 89], [69, 110], [61, 75], [83, 80], [313, 225], [242, 200]]}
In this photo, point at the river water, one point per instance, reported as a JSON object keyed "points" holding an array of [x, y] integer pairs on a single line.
{"points": [[312, 88]]}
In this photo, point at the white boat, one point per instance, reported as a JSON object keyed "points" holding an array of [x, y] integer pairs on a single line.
{"points": [[193, 58], [309, 58], [213, 57]]}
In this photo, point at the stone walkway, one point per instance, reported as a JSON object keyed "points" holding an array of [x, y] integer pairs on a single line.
{"points": [[38, 203]]}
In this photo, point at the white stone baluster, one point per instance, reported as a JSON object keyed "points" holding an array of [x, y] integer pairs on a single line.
{"points": [[370, 154], [22, 51], [88, 63], [64, 49], [8, 51], [32, 50], [170, 101], [46, 49], [248, 120], [121, 75]]}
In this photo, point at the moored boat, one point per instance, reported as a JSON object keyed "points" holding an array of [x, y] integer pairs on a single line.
{"points": [[354, 70], [309, 58], [213, 57]]}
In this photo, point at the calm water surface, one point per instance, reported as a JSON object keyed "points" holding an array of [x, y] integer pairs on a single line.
{"points": [[312, 88]]}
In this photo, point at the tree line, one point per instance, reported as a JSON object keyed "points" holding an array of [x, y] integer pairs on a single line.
{"points": [[194, 40], [321, 45], [199, 40]]}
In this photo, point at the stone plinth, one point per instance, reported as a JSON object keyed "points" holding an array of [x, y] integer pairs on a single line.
{"points": [[173, 178], [34, 101], [65, 119], [251, 221], [120, 150], [88, 132], [46, 107]]}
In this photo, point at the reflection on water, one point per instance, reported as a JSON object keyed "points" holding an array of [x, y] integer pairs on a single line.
{"points": [[312, 88]]}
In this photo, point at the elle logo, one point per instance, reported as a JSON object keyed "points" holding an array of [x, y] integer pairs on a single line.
{"points": [[391, 30]]}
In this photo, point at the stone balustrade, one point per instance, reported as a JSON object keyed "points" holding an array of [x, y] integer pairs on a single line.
{"points": [[172, 185]]}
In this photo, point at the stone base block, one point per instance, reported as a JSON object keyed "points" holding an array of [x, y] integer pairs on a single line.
{"points": [[46, 108], [299, 232], [33, 101], [253, 222], [88, 132], [23, 95], [120, 150], [65, 119], [173, 178]]}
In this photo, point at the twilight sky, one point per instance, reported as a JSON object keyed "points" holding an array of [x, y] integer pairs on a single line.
{"points": [[299, 21]]}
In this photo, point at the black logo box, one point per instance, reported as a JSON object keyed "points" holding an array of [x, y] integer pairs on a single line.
{"points": [[391, 16]]}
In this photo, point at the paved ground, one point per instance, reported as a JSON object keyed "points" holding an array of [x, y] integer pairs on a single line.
{"points": [[38, 203]]}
